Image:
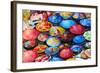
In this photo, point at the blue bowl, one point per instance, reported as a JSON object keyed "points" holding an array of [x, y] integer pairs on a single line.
{"points": [[79, 39], [85, 22], [77, 49], [55, 19], [67, 23], [56, 59]]}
